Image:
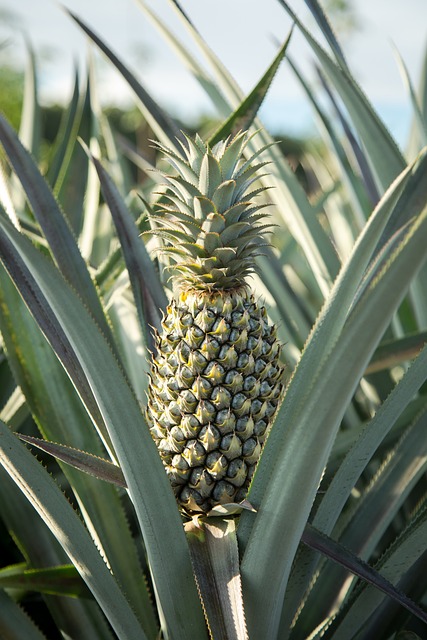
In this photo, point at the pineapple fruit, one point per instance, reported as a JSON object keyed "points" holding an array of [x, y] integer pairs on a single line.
{"points": [[215, 379]]}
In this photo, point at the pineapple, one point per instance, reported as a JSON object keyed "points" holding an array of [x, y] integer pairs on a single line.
{"points": [[215, 380]]}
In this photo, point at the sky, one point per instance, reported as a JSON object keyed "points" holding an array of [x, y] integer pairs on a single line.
{"points": [[243, 33]]}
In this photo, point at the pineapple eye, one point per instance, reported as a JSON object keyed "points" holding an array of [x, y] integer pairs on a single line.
{"points": [[237, 472], [214, 372], [251, 450], [234, 381], [231, 445], [245, 427], [221, 398], [210, 437], [217, 464], [225, 421], [224, 492], [260, 428], [241, 404], [194, 453]]}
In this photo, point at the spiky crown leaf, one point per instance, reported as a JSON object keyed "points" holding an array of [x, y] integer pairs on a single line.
{"points": [[207, 216]]}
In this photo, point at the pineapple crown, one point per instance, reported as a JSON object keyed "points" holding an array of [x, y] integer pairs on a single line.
{"points": [[207, 217]]}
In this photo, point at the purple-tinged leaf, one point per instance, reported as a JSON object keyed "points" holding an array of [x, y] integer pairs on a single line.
{"points": [[146, 286], [327, 30], [359, 154], [336, 552], [87, 462]]}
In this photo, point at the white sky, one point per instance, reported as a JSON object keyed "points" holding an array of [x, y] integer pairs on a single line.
{"points": [[241, 33]]}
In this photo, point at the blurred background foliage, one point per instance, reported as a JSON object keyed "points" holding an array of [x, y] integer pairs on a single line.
{"points": [[127, 120]]}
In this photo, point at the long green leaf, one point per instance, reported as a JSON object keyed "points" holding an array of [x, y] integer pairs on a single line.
{"points": [[92, 240], [30, 126], [52, 221], [70, 188], [358, 152], [342, 556], [65, 140], [354, 184], [350, 471], [10, 327], [40, 549], [48, 500], [162, 125], [303, 434], [66, 322], [60, 580], [87, 462], [410, 202], [389, 616], [244, 115], [385, 157], [327, 30], [399, 558], [418, 116], [379, 507], [60, 415], [146, 286], [414, 143], [14, 622], [392, 484]]}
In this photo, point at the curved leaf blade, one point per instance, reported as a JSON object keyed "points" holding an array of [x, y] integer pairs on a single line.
{"points": [[14, 622], [61, 417], [65, 140], [327, 30], [73, 367], [30, 129], [87, 462], [146, 285], [395, 352], [311, 429], [243, 117], [69, 327], [352, 467], [48, 500], [41, 550], [52, 221], [345, 558], [385, 157], [61, 580], [398, 559], [162, 125]]}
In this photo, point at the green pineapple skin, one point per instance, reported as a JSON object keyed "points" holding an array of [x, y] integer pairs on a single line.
{"points": [[215, 385], [215, 380]]}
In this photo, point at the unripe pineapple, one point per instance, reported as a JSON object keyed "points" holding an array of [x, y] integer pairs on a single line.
{"points": [[215, 379]]}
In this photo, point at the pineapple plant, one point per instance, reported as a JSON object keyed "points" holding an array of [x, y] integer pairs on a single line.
{"points": [[343, 444], [215, 380]]}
